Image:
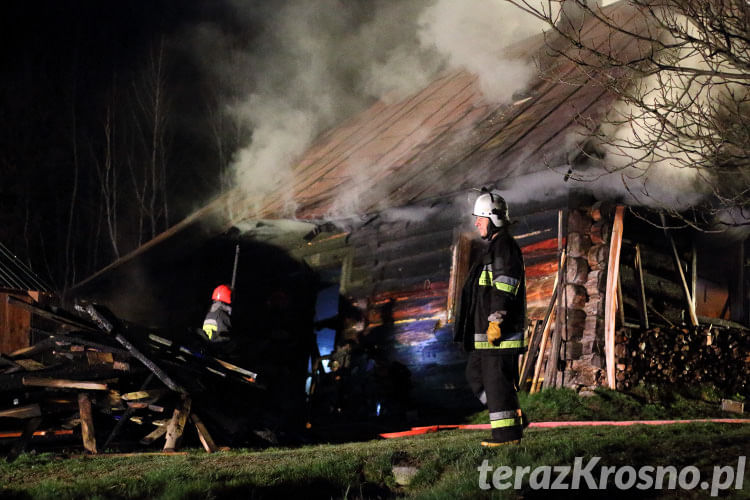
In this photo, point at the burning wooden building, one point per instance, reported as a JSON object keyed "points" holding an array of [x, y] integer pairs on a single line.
{"points": [[370, 237]]}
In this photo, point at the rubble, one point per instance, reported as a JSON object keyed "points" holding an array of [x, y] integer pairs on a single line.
{"points": [[98, 382]]}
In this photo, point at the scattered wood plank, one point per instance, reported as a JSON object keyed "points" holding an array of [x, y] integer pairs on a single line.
{"points": [[28, 411], [177, 424], [30, 365], [87, 423], [203, 434], [118, 426], [63, 383], [154, 435], [108, 327]]}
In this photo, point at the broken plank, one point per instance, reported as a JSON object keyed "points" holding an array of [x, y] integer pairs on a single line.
{"points": [[63, 383], [87, 423], [203, 434], [28, 411], [154, 435], [177, 424], [108, 327], [118, 426]]}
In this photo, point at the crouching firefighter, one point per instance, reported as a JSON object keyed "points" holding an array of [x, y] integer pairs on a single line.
{"points": [[217, 326], [491, 321]]}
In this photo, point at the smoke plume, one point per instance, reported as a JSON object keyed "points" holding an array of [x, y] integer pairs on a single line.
{"points": [[306, 66]]}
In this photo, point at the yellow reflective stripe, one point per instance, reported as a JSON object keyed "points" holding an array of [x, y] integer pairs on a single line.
{"points": [[506, 422], [504, 287], [505, 344], [210, 329], [485, 279]]}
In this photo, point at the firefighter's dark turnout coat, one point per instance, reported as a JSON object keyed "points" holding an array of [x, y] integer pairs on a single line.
{"points": [[495, 290], [218, 324]]}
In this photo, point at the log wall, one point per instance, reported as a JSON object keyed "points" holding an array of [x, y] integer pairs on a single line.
{"points": [[404, 277]]}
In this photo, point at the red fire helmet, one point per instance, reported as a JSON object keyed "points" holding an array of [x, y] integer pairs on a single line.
{"points": [[222, 293]]}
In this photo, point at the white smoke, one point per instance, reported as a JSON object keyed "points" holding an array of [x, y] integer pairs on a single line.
{"points": [[307, 66], [474, 35]]}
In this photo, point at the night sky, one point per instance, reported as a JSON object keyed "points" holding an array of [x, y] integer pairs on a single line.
{"points": [[69, 69]]}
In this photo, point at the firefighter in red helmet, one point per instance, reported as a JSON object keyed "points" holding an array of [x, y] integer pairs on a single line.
{"points": [[218, 324]]}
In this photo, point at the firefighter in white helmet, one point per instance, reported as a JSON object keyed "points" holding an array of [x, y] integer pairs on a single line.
{"points": [[491, 320]]}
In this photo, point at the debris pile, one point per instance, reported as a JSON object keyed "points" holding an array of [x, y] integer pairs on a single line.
{"points": [[94, 380]]}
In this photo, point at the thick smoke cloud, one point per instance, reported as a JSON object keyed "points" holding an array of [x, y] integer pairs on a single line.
{"points": [[306, 66]]}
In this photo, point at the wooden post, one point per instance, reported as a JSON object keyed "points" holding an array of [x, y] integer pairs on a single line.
{"points": [[678, 264], [642, 286], [613, 268], [534, 347], [535, 385], [694, 275], [177, 424], [87, 423], [203, 434], [550, 373], [533, 344]]}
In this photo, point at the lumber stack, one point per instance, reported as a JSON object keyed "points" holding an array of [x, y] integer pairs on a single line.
{"points": [[101, 384], [686, 356]]}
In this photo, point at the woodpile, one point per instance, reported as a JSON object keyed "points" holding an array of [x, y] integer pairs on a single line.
{"points": [[686, 356], [103, 384]]}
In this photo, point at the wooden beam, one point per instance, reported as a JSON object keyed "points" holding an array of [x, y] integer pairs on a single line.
{"points": [[683, 280], [177, 424], [613, 271], [118, 426], [694, 274], [550, 373], [28, 411], [534, 340], [545, 326], [87, 423], [63, 383], [203, 434], [535, 385], [643, 309], [154, 435], [108, 327]]}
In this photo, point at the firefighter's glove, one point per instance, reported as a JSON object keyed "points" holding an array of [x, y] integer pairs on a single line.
{"points": [[493, 332]]}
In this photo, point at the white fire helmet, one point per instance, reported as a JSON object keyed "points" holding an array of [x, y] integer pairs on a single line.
{"points": [[492, 206]]}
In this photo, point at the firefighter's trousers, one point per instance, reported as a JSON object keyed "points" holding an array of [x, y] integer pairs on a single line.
{"points": [[493, 378]]}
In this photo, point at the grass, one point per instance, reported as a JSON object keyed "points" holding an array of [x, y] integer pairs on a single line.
{"points": [[643, 403], [447, 462]]}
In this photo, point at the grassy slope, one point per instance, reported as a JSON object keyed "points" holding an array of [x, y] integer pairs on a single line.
{"points": [[447, 463]]}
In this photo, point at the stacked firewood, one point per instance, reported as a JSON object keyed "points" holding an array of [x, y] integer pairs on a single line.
{"points": [[685, 356], [106, 385]]}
